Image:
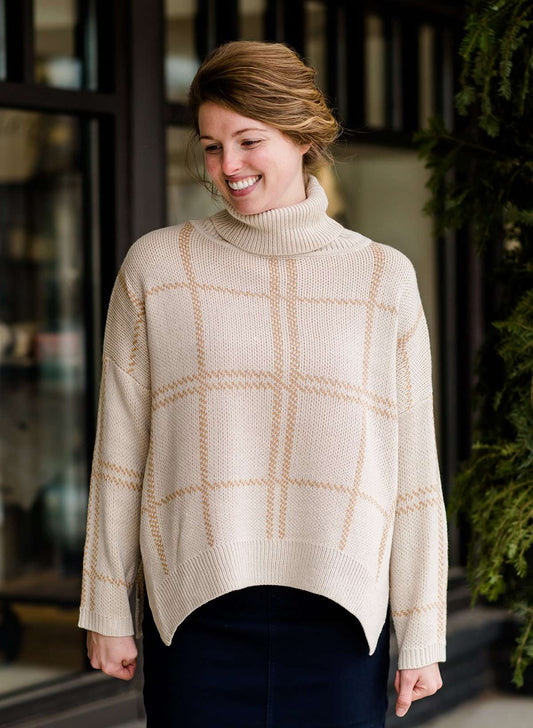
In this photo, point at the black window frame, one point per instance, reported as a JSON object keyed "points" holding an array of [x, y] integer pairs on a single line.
{"points": [[128, 107]]}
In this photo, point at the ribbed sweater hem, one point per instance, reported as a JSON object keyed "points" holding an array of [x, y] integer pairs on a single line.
{"points": [[96, 622], [410, 659], [318, 568]]}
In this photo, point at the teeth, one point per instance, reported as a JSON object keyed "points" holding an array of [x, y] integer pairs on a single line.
{"points": [[242, 184]]}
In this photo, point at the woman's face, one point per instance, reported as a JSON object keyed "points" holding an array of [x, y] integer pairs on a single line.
{"points": [[254, 166]]}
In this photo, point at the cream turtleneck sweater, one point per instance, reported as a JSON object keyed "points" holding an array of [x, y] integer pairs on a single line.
{"points": [[266, 417]]}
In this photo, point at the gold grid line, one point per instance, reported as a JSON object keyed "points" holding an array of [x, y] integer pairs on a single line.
{"points": [[334, 382], [90, 524], [93, 574], [419, 492], [277, 375], [418, 610], [441, 620], [166, 401], [121, 482], [355, 490], [377, 275], [139, 321], [130, 483], [191, 489], [121, 469], [402, 510], [349, 398], [151, 509], [389, 520], [375, 282], [137, 302], [402, 350], [94, 516], [292, 400], [272, 380], [370, 499], [247, 482], [411, 331], [174, 285], [188, 379], [349, 302], [417, 507], [185, 252]]}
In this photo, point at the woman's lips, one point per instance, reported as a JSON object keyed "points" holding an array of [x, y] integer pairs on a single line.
{"points": [[245, 190]]}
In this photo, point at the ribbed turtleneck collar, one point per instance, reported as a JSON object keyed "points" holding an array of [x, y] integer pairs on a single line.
{"points": [[298, 228]]}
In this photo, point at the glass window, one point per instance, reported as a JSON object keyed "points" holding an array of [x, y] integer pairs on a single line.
{"points": [[316, 39], [375, 78], [43, 458], [65, 43], [252, 19], [187, 199], [181, 59]]}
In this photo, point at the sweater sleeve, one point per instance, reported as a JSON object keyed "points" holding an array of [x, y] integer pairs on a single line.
{"points": [[111, 563], [419, 557]]}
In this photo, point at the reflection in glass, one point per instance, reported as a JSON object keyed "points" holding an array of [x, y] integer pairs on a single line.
{"points": [[252, 19], [181, 60], [60, 32], [43, 460], [186, 198], [316, 39], [427, 73], [375, 79]]}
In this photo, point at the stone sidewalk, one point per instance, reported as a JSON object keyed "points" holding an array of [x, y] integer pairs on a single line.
{"points": [[489, 710]]}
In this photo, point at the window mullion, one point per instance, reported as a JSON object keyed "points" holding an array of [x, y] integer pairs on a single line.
{"points": [[20, 60]]}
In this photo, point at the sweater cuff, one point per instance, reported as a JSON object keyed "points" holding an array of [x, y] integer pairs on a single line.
{"points": [[411, 659], [110, 626]]}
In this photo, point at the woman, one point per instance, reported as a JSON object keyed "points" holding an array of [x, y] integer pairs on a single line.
{"points": [[265, 441]]}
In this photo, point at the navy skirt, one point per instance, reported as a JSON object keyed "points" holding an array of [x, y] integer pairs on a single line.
{"points": [[265, 656]]}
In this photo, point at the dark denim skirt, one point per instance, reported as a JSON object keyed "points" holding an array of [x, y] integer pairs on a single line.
{"points": [[265, 656]]}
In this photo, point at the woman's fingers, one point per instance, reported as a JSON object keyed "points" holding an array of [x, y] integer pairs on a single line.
{"points": [[416, 684], [407, 680], [127, 671], [115, 656]]}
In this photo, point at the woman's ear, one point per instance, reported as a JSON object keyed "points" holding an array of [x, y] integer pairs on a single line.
{"points": [[304, 148]]}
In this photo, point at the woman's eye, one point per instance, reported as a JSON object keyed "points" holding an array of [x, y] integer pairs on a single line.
{"points": [[250, 142], [211, 149]]}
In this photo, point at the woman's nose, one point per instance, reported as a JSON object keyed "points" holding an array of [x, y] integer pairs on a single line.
{"points": [[231, 162]]}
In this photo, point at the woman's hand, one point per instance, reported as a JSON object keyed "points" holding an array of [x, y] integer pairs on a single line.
{"points": [[415, 684], [116, 656]]}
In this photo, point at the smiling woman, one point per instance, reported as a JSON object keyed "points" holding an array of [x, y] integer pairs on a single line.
{"points": [[254, 167], [271, 88], [265, 441]]}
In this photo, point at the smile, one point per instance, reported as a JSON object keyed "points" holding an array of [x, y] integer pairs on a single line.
{"points": [[243, 184]]}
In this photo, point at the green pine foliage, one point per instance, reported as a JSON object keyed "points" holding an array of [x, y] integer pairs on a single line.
{"points": [[482, 180]]}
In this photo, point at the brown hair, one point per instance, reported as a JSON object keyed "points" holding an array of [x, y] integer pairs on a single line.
{"points": [[268, 82]]}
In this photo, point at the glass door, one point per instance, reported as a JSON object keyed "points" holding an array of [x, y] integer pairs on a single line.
{"points": [[45, 266]]}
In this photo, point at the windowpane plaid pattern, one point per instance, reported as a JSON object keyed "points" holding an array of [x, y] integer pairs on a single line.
{"points": [[266, 417]]}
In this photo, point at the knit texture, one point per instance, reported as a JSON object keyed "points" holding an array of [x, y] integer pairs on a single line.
{"points": [[266, 417]]}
